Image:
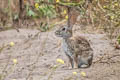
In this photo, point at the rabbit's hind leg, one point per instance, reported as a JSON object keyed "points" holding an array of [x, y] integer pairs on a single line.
{"points": [[84, 62]]}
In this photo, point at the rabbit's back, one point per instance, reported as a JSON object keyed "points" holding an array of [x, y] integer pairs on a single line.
{"points": [[77, 45], [81, 43]]}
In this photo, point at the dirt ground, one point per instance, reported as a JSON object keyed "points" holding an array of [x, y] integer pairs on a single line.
{"points": [[36, 53]]}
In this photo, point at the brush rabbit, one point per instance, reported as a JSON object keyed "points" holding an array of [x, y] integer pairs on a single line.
{"points": [[77, 49]]}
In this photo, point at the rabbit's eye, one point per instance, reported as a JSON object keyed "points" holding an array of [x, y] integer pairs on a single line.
{"points": [[63, 29]]}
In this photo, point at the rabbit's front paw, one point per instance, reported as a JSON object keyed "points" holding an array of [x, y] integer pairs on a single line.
{"points": [[69, 66], [75, 65]]}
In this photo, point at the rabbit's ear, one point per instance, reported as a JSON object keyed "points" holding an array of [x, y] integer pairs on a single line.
{"points": [[72, 17], [69, 25], [69, 17]]}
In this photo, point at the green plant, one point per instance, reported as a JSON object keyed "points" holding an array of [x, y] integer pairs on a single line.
{"points": [[30, 12], [118, 39], [45, 10], [44, 27]]}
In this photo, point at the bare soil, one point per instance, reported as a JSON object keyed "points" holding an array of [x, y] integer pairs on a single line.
{"points": [[36, 53]]}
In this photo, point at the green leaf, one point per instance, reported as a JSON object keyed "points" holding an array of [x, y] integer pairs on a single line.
{"points": [[16, 17], [31, 13]]}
